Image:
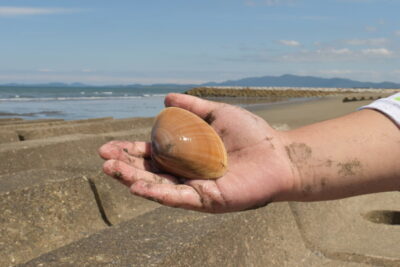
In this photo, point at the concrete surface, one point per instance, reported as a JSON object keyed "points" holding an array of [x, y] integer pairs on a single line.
{"points": [[22, 122], [47, 122], [172, 237], [90, 127], [69, 151], [41, 210], [39, 217], [58, 209], [8, 137], [364, 229]]}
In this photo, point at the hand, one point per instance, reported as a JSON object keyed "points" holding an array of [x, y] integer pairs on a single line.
{"points": [[259, 170]]}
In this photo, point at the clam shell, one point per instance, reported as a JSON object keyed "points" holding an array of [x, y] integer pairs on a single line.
{"points": [[185, 145]]}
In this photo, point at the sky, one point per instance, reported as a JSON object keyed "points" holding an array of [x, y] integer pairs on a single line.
{"points": [[103, 42]]}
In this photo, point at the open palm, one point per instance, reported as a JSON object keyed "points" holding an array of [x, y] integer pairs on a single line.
{"points": [[259, 170]]}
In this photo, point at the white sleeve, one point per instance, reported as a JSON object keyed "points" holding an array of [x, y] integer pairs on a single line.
{"points": [[389, 106]]}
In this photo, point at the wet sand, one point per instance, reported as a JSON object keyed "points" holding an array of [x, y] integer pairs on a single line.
{"points": [[300, 113], [302, 108]]}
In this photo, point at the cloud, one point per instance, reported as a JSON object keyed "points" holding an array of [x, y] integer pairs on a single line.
{"points": [[11, 11], [370, 42], [377, 52], [336, 72], [337, 55], [334, 51], [100, 78], [331, 54], [289, 42], [355, 74], [371, 28]]}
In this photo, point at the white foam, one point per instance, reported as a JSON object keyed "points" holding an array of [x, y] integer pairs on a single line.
{"points": [[28, 99]]}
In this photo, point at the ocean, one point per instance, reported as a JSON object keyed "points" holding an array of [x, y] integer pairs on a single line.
{"points": [[73, 103]]}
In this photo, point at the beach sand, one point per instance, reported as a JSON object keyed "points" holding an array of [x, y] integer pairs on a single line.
{"points": [[300, 113]]}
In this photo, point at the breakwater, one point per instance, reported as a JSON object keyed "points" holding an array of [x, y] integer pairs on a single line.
{"points": [[238, 91], [57, 208]]}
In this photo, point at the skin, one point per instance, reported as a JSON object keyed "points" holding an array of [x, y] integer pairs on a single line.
{"points": [[351, 155]]}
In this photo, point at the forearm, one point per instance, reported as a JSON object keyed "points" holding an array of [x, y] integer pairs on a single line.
{"points": [[351, 155]]}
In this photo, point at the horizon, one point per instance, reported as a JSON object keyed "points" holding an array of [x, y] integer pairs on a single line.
{"points": [[99, 43], [78, 84]]}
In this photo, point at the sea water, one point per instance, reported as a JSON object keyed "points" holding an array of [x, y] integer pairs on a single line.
{"points": [[72, 103]]}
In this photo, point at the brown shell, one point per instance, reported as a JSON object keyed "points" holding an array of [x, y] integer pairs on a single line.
{"points": [[185, 145]]}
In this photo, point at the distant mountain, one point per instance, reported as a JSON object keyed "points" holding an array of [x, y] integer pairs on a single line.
{"points": [[304, 81], [284, 80]]}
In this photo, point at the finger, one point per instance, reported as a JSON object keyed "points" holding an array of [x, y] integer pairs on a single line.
{"points": [[182, 196], [200, 107], [117, 149], [128, 174], [141, 163], [210, 193]]}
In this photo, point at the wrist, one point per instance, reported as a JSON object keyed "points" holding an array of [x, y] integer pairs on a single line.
{"points": [[293, 181]]}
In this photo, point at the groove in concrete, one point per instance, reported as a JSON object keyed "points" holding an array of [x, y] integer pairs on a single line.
{"points": [[343, 231], [98, 202], [389, 217], [173, 237], [40, 217], [41, 210]]}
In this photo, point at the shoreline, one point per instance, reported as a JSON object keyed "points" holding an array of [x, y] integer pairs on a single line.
{"points": [[151, 106], [292, 112]]}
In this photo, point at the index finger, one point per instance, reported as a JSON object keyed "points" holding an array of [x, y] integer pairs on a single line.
{"points": [[136, 149], [201, 107]]}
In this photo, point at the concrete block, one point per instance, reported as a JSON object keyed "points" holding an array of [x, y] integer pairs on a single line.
{"points": [[46, 123], [118, 203], [42, 210], [9, 119], [84, 128], [18, 122], [173, 237], [72, 151], [364, 229], [8, 137]]}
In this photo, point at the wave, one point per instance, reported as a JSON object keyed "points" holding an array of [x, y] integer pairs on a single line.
{"points": [[32, 114], [77, 98], [155, 95], [103, 93]]}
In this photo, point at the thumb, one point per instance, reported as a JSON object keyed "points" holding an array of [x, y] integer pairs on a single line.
{"points": [[198, 106]]}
